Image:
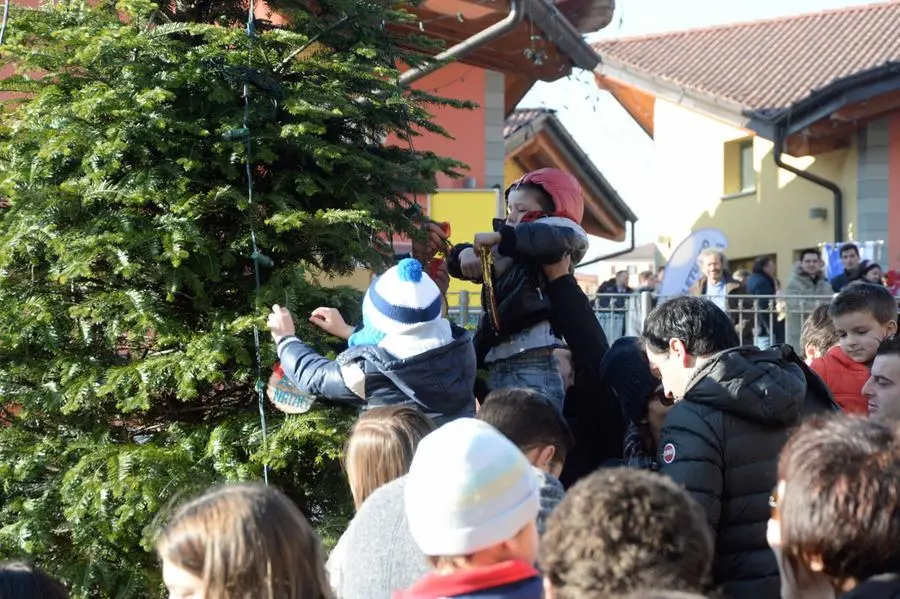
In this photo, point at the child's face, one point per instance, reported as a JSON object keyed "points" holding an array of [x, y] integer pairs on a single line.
{"points": [[860, 333], [520, 202]]}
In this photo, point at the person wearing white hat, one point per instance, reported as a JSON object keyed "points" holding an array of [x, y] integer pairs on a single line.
{"points": [[472, 501], [405, 352]]}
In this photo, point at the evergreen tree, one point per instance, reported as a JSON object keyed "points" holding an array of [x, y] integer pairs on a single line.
{"points": [[127, 289]]}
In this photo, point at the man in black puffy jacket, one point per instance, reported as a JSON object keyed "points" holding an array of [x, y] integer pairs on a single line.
{"points": [[734, 409]]}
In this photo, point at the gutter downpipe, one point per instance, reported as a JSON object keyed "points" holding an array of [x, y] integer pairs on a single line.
{"points": [[813, 178], [614, 254], [500, 28]]}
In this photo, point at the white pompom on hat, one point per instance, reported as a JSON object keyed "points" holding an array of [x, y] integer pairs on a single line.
{"points": [[468, 488]]}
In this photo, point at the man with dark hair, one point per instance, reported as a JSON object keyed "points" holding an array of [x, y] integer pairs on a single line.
{"points": [[530, 421], [734, 408], [527, 418], [836, 510], [808, 288], [882, 390], [850, 260], [621, 530]]}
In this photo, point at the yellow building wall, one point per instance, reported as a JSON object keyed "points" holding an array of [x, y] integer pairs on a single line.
{"points": [[469, 211], [512, 170], [695, 165]]}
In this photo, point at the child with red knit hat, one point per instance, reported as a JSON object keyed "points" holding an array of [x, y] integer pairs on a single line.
{"points": [[543, 226]]}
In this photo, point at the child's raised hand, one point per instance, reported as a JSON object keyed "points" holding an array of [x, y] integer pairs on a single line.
{"points": [[470, 264], [331, 321], [487, 239], [280, 323]]}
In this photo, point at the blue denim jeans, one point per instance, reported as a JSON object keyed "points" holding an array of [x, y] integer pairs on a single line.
{"points": [[534, 369]]}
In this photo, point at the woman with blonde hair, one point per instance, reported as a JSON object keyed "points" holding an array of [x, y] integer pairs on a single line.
{"points": [[381, 447], [377, 543], [242, 541]]}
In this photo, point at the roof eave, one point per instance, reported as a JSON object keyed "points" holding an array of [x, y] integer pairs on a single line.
{"points": [[560, 30], [825, 101], [720, 109]]}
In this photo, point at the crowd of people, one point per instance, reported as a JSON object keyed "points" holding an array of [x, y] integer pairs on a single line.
{"points": [[683, 463]]}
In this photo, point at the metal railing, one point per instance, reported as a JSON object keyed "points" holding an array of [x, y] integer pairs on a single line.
{"points": [[761, 320]]}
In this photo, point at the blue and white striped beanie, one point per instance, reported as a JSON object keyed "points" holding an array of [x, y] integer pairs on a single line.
{"points": [[399, 301], [468, 488]]}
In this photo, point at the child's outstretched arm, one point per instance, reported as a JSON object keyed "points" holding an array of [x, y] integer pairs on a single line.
{"points": [[464, 263], [311, 372], [546, 241]]}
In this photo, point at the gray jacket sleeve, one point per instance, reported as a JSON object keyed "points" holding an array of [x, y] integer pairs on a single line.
{"points": [[317, 375], [690, 453]]}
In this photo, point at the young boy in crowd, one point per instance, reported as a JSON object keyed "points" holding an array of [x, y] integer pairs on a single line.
{"points": [[620, 530], [471, 502], [817, 335], [530, 421], [544, 209], [405, 352], [863, 315]]}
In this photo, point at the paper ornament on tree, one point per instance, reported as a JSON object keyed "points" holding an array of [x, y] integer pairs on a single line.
{"points": [[284, 395]]}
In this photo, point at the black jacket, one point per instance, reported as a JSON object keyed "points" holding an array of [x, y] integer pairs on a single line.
{"points": [[722, 441], [593, 415], [883, 586], [840, 281], [440, 382], [519, 289]]}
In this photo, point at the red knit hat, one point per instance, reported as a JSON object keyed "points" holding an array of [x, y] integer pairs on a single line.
{"points": [[562, 187]]}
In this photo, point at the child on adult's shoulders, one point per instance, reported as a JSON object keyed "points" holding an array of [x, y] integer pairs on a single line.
{"points": [[863, 315], [544, 210]]}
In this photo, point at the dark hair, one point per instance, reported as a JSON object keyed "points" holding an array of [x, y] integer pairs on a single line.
{"points": [[815, 251], [889, 347], [865, 297], [645, 276], [661, 269], [849, 247], [818, 330], [23, 580], [761, 262], [621, 530], [544, 199], [842, 502], [700, 324], [528, 419], [865, 267]]}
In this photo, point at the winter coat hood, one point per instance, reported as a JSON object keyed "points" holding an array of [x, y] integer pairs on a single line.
{"points": [[559, 185], [750, 383]]}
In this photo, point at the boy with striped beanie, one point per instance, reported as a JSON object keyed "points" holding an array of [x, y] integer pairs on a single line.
{"points": [[472, 502], [406, 352]]}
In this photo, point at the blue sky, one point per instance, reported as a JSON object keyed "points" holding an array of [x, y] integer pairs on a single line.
{"points": [[619, 148]]}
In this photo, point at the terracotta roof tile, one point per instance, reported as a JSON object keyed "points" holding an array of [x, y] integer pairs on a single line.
{"points": [[522, 117], [767, 65]]}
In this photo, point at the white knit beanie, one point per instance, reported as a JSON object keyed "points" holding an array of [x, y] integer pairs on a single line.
{"points": [[468, 488], [402, 312]]}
